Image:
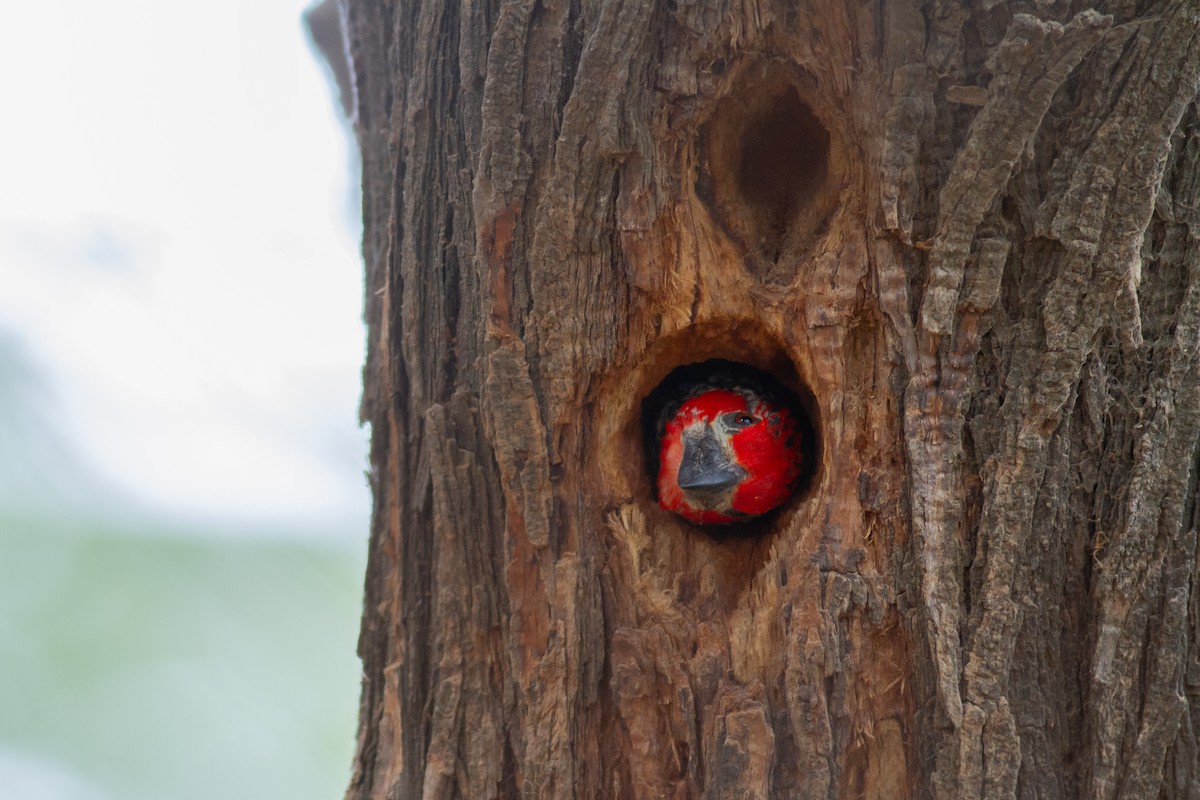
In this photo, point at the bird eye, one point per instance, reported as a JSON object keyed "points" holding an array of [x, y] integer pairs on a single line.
{"points": [[739, 419]]}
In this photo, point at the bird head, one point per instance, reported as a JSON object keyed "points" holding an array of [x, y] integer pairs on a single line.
{"points": [[728, 455]]}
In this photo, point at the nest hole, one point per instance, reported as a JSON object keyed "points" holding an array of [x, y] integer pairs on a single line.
{"points": [[772, 172]]}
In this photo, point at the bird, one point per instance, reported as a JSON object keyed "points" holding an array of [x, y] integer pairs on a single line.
{"points": [[729, 450]]}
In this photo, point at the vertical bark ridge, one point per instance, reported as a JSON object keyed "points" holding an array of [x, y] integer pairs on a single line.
{"points": [[1030, 64]]}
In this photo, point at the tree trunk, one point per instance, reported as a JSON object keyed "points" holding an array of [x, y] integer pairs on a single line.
{"points": [[967, 232]]}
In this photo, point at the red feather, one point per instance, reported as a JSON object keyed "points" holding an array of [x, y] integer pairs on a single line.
{"points": [[768, 450]]}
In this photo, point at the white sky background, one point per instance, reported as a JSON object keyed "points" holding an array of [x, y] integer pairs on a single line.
{"points": [[179, 257]]}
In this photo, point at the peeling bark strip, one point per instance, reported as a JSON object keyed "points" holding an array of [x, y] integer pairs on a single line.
{"points": [[1028, 68], [989, 282]]}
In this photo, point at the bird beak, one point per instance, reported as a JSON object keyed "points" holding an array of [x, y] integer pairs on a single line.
{"points": [[704, 467]]}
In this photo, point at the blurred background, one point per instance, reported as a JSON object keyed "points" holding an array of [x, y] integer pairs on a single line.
{"points": [[183, 512]]}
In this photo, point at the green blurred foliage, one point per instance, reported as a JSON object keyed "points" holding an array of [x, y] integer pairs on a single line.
{"points": [[150, 664]]}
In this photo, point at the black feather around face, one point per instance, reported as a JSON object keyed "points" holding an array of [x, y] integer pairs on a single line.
{"points": [[690, 380]]}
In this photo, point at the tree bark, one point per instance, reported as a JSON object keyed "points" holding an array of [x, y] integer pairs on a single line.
{"points": [[967, 232]]}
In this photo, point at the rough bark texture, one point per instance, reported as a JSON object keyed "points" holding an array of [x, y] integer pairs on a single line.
{"points": [[970, 230]]}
